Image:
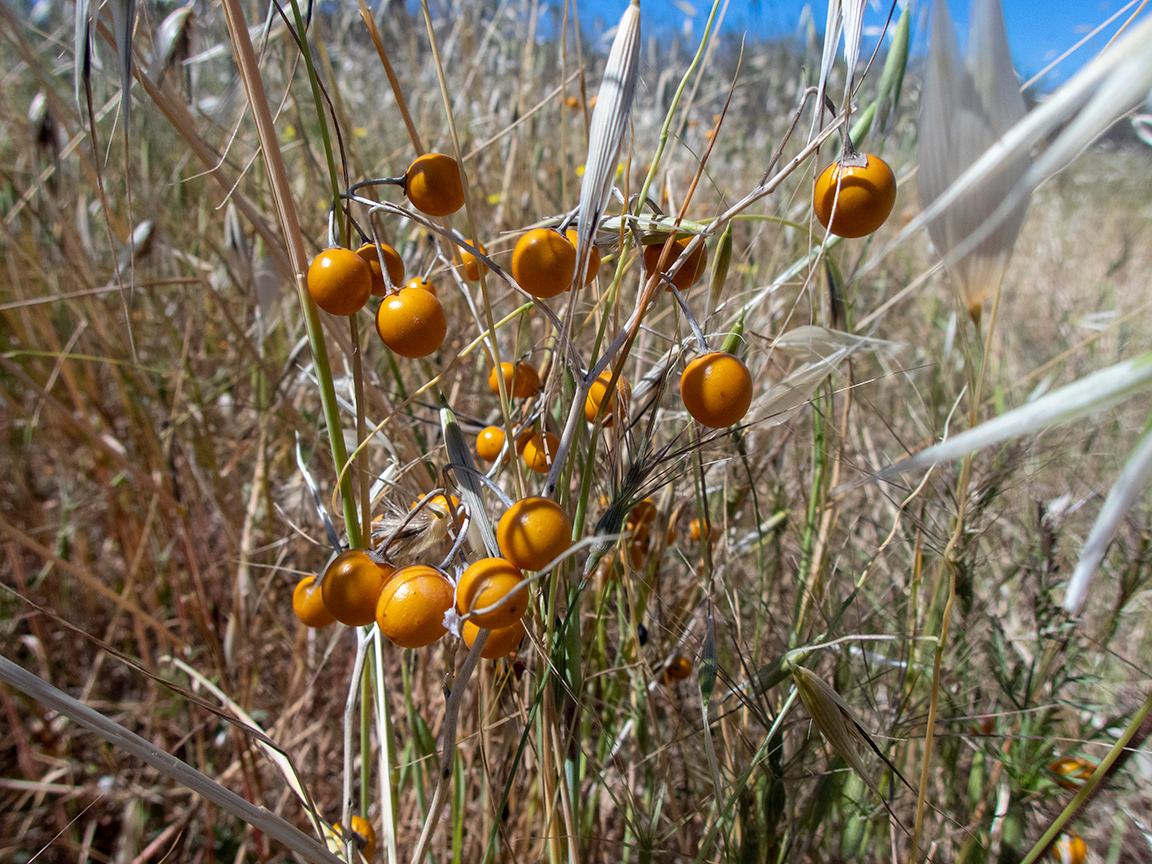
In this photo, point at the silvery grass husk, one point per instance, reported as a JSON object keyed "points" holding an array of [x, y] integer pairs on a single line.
{"points": [[606, 134], [967, 105]]}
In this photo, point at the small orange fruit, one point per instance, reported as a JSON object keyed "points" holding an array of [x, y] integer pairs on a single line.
{"points": [[410, 611], [411, 322], [716, 389], [351, 585], [540, 451], [863, 201], [1072, 771], [340, 281], [433, 184], [643, 513], [421, 283], [490, 443], [487, 582], [691, 271], [593, 258], [520, 380], [1069, 849], [471, 264], [363, 836], [597, 391], [500, 642], [699, 530], [533, 532], [438, 507], [678, 668], [391, 258], [308, 604], [544, 262]]}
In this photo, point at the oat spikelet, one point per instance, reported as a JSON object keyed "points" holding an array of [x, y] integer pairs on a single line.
{"points": [[840, 729], [968, 104], [608, 126]]}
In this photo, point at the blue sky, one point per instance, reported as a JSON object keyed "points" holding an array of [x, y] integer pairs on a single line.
{"points": [[1038, 30]]}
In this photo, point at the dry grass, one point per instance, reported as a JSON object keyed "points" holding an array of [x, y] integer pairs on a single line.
{"points": [[152, 507]]}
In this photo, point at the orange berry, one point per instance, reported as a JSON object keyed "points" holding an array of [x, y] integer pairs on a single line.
{"points": [[699, 530], [678, 668], [489, 443], [863, 202], [500, 642], [421, 283], [433, 184], [411, 322], [1072, 771], [533, 532], [520, 380], [340, 281], [308, 604], [363, 836], [716, 389], [597, 391], [643, 513], [689, 274], [544, 262], [593, 258], [438, 507], [487, 582], [351, 586], [410, 611], [540, 451], [391, 258], [471, 263]]}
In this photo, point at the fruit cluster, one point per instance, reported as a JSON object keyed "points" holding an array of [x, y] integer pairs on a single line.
{"points": [[408, 603]]}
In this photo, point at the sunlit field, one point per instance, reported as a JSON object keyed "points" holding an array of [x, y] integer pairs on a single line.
{"points": [[714, 572]]}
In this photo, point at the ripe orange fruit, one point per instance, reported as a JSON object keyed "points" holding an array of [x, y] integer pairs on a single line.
{"points": [[487, 582], [421, 283], [716, 389], [489, 443], [308, 604], [1072, 771], [539, 452], [1069, 849], [596, 393], [643, 513], [520, 380], [351, 585], [471, 263], [500, 642], [391, 258], [678, 668], [699, 530], [544, 262], [593, 258], [340, 281], [533, 532], [363, 836], [411, 322], [863, 202], [439, 508], [410, 611], [689, 274], [433, 184]]}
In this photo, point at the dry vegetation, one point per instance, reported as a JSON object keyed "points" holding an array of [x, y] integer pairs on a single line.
{"points": [[154, 520]]}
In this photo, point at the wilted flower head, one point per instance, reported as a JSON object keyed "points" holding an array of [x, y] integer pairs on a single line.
{"points": [[968, 104]]}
